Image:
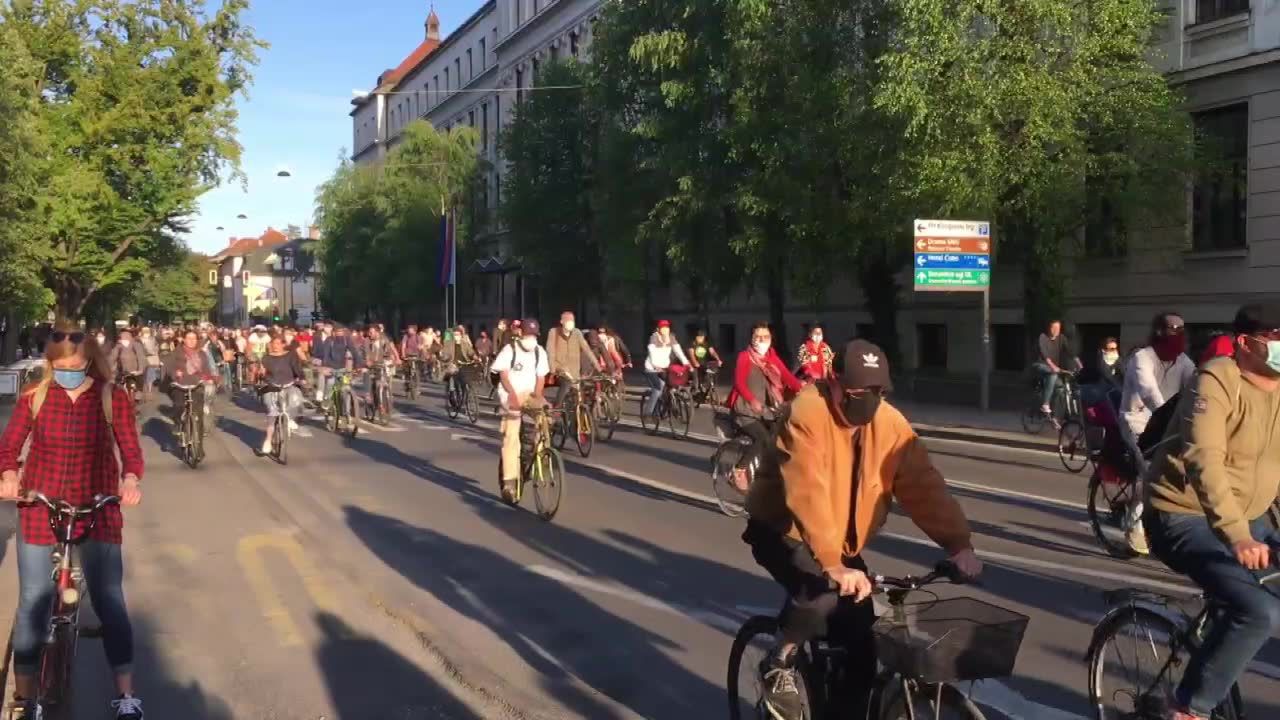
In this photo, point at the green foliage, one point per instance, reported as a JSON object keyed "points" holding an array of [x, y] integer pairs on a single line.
{"points": [[549, 189], [22, 172], [137, 107], [380, 223], [177, 292], [1029, 112]]}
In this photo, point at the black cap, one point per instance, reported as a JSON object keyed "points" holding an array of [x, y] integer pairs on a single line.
{"points": [[530, 326], [1257, 318], [865, 366]]}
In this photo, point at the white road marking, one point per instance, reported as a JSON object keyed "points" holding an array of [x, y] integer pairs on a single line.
{"points": [[303, 433], [923, 430], [706, 617], [1004, 492], [382, 428], [998, 696]]}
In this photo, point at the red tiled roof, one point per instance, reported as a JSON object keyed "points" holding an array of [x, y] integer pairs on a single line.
{"points": [[243, 246], [410, 62]]}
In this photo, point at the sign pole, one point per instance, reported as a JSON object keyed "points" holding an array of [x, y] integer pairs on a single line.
{"points": [[984, 402]]}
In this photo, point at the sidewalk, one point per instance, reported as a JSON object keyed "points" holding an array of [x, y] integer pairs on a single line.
{"points": [[950, 422]]}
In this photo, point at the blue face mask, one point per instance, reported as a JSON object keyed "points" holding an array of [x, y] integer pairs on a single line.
{"points": [[70, 379], [1273, 355]]}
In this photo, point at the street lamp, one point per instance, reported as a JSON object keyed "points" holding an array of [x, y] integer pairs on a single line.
{"points": [[242, 216], [284, 173]]}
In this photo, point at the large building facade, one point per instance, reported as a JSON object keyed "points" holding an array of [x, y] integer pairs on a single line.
{"points": [[1224, 250]]}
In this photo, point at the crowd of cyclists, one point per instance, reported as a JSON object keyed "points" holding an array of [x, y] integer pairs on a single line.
{"points": [[834, 453]]}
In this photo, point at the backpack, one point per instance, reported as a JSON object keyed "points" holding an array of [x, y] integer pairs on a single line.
{"points": [[42, 391]]}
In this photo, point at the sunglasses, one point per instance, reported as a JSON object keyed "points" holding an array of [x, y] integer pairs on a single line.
{"points": [[863, 392], [57, 336]]}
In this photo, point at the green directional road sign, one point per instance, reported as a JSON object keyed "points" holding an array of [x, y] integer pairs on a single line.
{"points": [[943, 280]]}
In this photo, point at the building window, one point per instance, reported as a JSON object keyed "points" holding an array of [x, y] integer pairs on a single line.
{"points": [[533, 78], [457, 69], [519, 86], [1220, 196], [484, 126], [553, 52], [471, 118], [497, 112], [1010, 347], [573, 43], [931, 346], [471, 65], [484, 58], [497, 190], [436, 81], [1210, 10], [446, 81]]}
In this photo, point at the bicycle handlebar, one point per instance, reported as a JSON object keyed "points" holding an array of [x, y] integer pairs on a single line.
{"points": [[945, 570], [63, 507]]}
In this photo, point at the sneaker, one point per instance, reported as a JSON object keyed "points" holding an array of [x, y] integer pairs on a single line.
{"points": [[293, 426], [1046, 410], [266, 448], [781, 694], [508, 493], [1136, 536], [740, 480], [127, 707]]}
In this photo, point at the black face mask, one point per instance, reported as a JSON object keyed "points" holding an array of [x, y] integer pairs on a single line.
{"points": [[859, 410]]}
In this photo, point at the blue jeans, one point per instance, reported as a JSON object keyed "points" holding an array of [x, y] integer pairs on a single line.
{"points": [[1050, 379], [103, 565], [657, 381], [1250, 611]]}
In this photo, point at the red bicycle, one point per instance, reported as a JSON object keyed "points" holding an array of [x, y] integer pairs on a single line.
{"points": [[53, 693]]}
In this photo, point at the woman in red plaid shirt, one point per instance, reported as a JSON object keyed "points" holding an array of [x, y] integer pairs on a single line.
{"points": [[72, 457]]}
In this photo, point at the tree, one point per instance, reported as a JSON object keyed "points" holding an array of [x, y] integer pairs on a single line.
{"points": [[178, 292], [549, 190], [137, 105], [380, 252], [1029, 113], [21, 174]]}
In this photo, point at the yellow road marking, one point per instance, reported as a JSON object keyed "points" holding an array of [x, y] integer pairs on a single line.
{"points": [[249, 554]]}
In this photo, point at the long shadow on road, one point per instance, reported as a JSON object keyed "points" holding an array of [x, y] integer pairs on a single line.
{"points": [[557, 632]]}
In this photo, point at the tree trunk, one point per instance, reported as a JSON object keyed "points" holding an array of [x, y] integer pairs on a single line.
{"points": [[881, 291]]}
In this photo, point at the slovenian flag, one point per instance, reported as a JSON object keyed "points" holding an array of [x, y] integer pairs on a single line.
{"points": [[448, 250]]}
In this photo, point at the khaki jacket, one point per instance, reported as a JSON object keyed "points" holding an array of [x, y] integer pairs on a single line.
{"points": [[1222, 453], [810, 494]]}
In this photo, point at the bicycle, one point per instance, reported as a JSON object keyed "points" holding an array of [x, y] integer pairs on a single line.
{"points": [[735, 443], [280, 432], [379, 408], [1064, 405], [57, 658], [924, 649], [540, 464], [704, 388], [132, 384], [460, 398], [1158, 622], [237, 374], [412, 376], [578, 418], [674, 405], [606, 404], [344, 407], [190, 427]]}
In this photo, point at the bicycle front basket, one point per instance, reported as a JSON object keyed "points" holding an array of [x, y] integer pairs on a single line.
{"points": [[950, 640]]}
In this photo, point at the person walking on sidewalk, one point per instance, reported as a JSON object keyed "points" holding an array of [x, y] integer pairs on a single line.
{"points": [[76, 419], [1209, 492]]}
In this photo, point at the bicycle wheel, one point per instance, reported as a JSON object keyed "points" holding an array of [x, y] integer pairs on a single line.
{"points": [[1073, 449], [1107, 508], [384, 400], [548, 483], [681, 414], [411, 385], [191, 447], [745, 684], [280, 440], [473, 406], [731, 500], [650, 422], [942, 702], [584, 430], [1135, 661], [352, 410], [1034, 419], [56, 672]]}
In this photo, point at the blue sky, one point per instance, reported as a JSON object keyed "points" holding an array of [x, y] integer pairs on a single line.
{"points": [[296, 115]]}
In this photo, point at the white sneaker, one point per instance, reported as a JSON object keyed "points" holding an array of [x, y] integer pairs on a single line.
{"points": [[293, 426], [127, 707], [266, 448]]}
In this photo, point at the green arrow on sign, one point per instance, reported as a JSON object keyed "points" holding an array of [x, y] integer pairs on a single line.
{"points": [[984, 277], [922, 277]]}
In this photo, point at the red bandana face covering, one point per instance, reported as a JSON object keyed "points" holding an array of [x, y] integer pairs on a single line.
{"points": [[1169, 347]]}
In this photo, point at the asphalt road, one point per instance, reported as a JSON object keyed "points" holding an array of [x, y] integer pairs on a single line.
{"points": [[381, 577]]}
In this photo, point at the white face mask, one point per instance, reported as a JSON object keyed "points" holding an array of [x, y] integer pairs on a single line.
{"points": [[568, 326], [528, 343], [125, 343], [102, 339], [761, 346], [1110, 357], [816, 337]]}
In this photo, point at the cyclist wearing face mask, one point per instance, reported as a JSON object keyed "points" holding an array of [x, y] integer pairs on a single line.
{"points": [[761, 383], [843, 456], [1209, 492], [815, 357], [522, 370]]}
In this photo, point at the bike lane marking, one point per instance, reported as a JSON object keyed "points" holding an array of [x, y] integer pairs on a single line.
{"points": [[249, 553]]}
